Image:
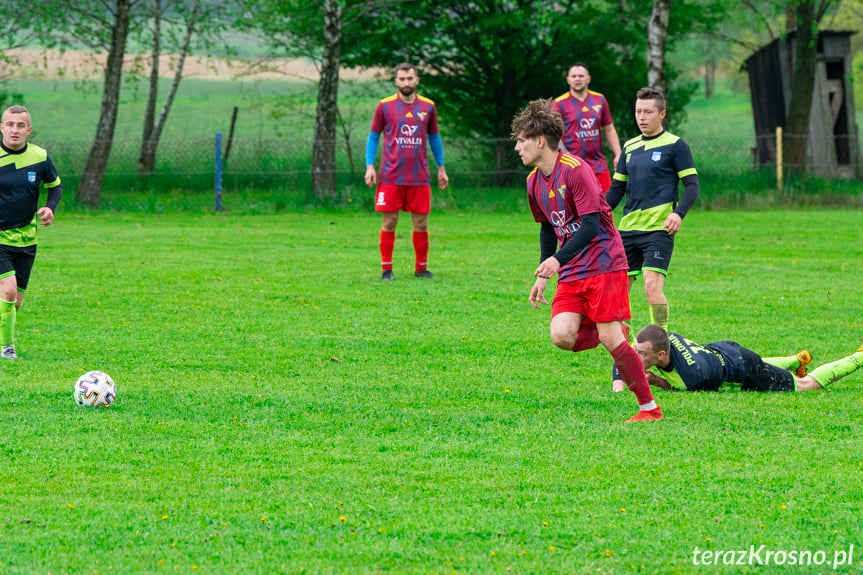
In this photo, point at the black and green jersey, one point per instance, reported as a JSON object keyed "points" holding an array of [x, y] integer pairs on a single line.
{"points": [[695, 367], [21, 173], [651, 169]]}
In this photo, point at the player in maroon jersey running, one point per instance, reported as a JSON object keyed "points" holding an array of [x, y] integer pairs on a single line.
{"points": [[586, 118], [592, 298], [407, 121]]}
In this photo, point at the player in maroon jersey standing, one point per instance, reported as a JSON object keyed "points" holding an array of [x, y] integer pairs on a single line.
{"points": [[407, 121], [586, 118], [592, 297]]}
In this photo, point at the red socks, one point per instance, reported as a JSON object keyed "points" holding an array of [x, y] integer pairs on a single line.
{"points": [[587, 338], [632, 370], [388, 240], [421, 250]]}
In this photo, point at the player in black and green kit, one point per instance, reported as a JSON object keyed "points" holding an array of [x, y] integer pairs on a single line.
{"points": [[676, 363], [23, 167], [648, 173]]}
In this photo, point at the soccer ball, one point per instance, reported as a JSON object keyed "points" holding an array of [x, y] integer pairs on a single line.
{"points": [[95, 389]]}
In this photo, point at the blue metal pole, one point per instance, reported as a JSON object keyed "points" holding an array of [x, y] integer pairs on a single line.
{"points": [[219, 172]]}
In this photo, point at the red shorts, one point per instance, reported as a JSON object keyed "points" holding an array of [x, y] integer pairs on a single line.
{"points": [[604, 180], [601, 298], [413, 199]]}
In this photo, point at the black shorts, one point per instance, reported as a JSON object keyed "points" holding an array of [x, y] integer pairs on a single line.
{"points": [[760, 376], [648, 251], [17, 261]]}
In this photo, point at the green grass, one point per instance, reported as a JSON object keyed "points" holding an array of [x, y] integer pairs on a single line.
{"points": [[281, 410]]}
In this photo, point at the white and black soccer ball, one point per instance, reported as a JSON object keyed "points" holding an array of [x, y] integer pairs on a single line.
{"points": [[95, 389]]}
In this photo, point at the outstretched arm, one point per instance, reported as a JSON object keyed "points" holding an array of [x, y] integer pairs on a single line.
{"points": [[657, 381]]}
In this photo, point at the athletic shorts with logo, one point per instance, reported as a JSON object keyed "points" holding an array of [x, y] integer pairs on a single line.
{"points": [[393, 198], [601, 298], [648, 251]]}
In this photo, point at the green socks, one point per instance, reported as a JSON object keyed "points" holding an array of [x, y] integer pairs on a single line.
{"points": [[827, 374], [790, 362], [659, 314], [7, 322]]}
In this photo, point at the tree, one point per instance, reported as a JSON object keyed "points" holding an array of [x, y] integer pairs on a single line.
{"points": [[483, 61], [147, 157], [11, 37], [322, 31], [194, 20], [90, 189], [657, 30], [324, 148], [104, 27], [808, 14]]}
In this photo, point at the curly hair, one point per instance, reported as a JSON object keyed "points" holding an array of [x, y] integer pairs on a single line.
{"points": [[536, 120]]}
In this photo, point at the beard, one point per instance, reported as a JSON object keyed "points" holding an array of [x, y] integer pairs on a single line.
{"points": [[407, 91]]}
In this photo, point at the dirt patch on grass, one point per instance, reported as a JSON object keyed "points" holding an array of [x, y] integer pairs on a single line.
{"points": [[75, 65]]}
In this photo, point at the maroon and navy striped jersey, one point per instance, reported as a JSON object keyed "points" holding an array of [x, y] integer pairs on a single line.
{"points": [[583, 122], [561, 199], [405, 128]]}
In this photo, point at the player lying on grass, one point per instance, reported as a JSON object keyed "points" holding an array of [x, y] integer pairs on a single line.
{"points": [[676, 363]]}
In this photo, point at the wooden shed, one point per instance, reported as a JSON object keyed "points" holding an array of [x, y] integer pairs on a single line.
{"points": [[833, 148]]}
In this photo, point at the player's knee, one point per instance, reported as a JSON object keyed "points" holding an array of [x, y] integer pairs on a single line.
{"points": [[562, 338], [653, 285], [10, 295]]}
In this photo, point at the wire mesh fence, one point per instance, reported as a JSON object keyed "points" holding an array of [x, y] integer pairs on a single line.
{"points": [[188, 164]]}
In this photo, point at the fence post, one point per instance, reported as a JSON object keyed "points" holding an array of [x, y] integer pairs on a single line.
{"points": [[218, 172], [779, 158]]}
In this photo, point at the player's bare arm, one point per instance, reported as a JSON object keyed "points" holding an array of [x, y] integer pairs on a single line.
{"points": [[536, 293], [657, 381], [672, 224], [442, 178], [371, 176], [46, 216], [547, 268]]}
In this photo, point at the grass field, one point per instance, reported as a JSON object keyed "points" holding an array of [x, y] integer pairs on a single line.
{"points": [[281, 410]]}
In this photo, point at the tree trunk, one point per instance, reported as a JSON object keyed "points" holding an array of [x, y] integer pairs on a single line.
{"points": [[796, 133], [324, 147], [657, 28], [709, 77], [790, 16], [149, 146], [147, 157], [90, 191]]}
